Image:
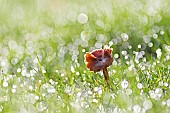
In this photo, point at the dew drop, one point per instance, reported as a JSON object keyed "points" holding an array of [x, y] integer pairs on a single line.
{"points": [[14, 61], [14, 86], [30, 88], [116, 55], [110, 43], [96, 89], [150, 44], [163, 103], [82, 18], [1, 108], [37, 97], [136, 108], [146, 39], [130, 47], [41, 106], [147, 104], [30, 97], [168, 102], [139, 85], [155, 36], [62, 74], [124, 84], [5, 84], [161, 83], [128, 91], [13, 90], [161, 32], [139, 46], [19, 70], [3, 63], [98, 45], [166, 84], [124, 36], [83, 50], [95, 100]]}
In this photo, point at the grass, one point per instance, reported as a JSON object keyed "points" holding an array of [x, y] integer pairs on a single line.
{"points": [[42, 48]]}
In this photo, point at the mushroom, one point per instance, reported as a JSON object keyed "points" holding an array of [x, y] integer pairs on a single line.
{"points": [[98, 60]]}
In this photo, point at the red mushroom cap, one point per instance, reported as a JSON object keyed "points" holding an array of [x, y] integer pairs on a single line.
{"points": [[99, 59]]}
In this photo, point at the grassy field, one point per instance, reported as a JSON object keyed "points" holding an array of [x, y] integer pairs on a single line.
{"points": [[42, 48]]}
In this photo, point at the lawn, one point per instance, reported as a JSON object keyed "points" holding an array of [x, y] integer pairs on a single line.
{"points": [[42, 56]]}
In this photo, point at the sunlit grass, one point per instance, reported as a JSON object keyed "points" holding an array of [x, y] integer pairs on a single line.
{"points": [[42, 48]]}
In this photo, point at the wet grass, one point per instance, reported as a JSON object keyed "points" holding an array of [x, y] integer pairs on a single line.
{"points": [[42, 50]]}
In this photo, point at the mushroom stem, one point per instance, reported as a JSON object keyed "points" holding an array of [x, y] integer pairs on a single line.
{"points": [[105, 73]]}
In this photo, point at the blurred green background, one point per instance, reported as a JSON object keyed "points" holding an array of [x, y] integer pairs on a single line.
{"points": [[53, 25], [42, 47]]}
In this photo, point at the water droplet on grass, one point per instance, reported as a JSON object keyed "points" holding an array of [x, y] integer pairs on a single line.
{"points": [[5, 84], [155, 36], [124, 84], [150, 44], [14, 86], [128, 91], [12, 45], [139, 85], [139, 46], [96, 89], [89, 92], [51, 89], [22, 110], [126, 56], [158, 52], [129, 47], [124, 36], [136, 108], [62, 74], [152, 94], [110, 43], [161, 32], [1, 108], [29, 50], [146, 39], [14, 61], [30, 88], [13, 90], [168, 102], [125, 45], [83, 50], [163, 103], [147, 104], [124, 53], [158, 91], [116, 55], [98, 45], [77, 73], [19, 70], [37, 97], [95, 100], [166, 84], [41, 106], [78, 41], [82, 18], [30, 97], [3, 63]]}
